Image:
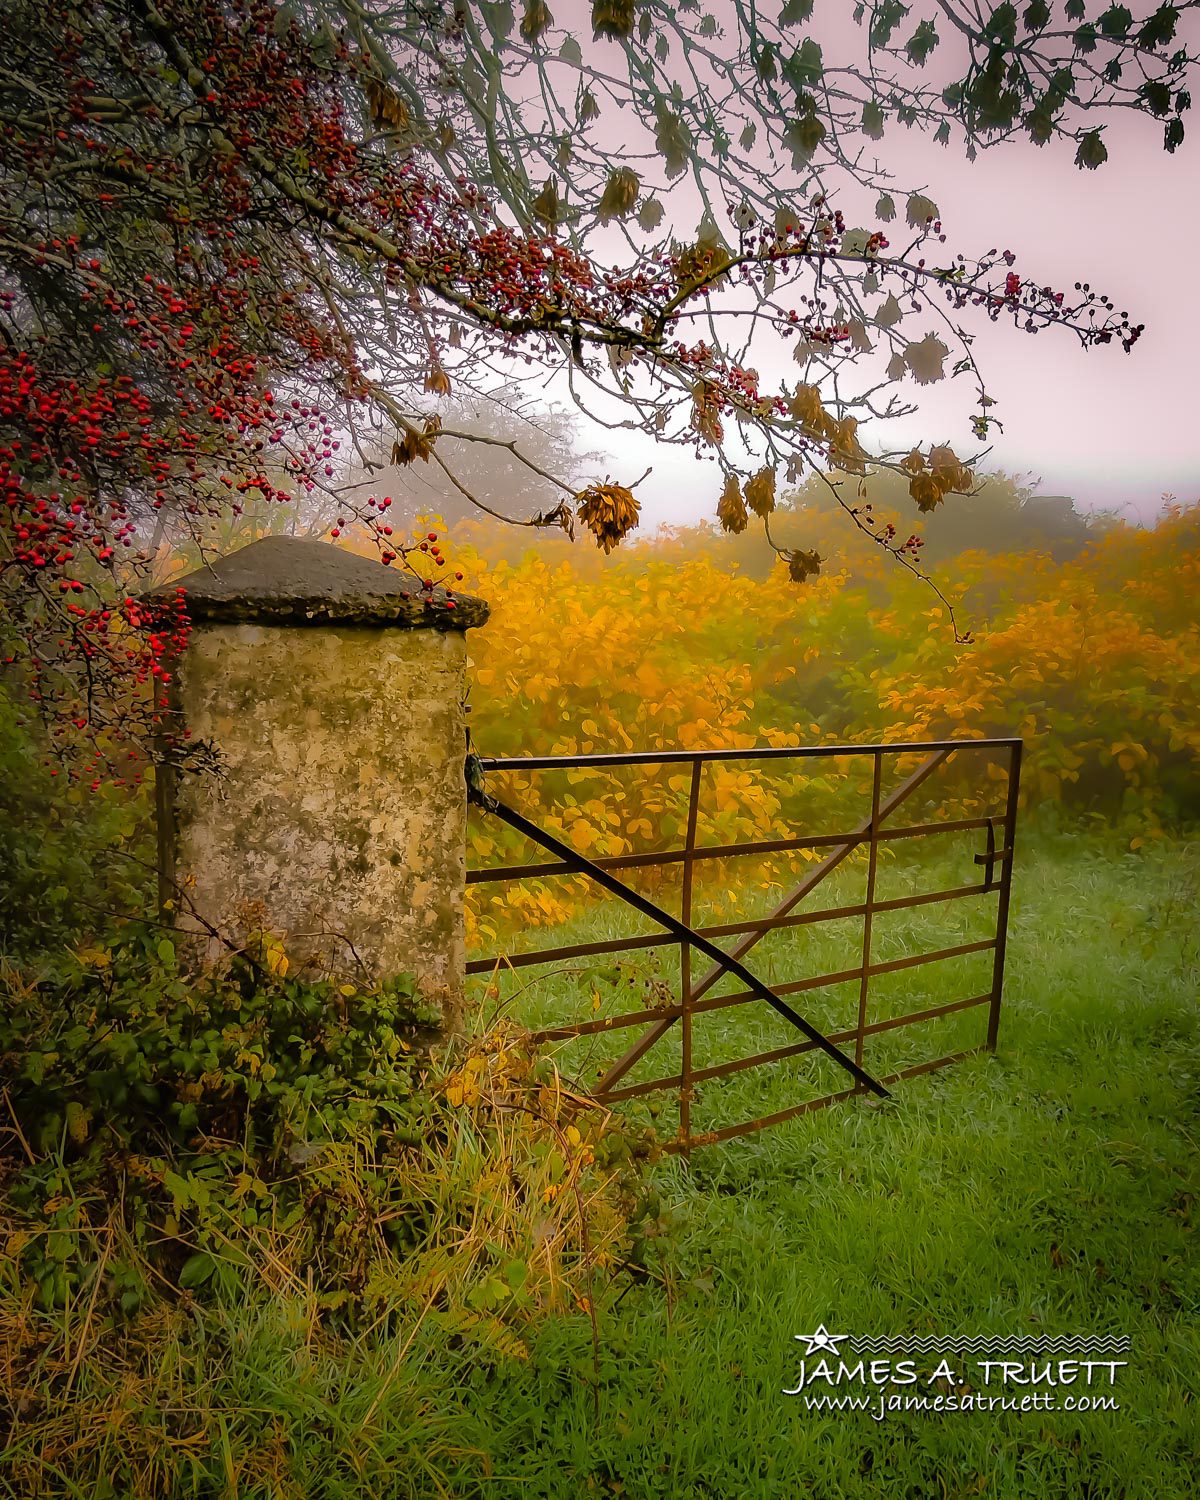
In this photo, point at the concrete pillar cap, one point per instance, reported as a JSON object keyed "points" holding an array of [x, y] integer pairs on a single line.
{"points": [[283, 580]]}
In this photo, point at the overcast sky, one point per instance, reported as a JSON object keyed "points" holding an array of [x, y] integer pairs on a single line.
{"points": [[1109, 428]]}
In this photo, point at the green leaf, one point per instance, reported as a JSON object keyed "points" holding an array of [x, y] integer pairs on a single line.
{"points": [[1157, 96], [1092, 151], [886, 18], [1036, 15], [1002, 24], [795, 12], [805, 68], [1173, 134], [922, 43], [166, 951], [1085, 38], [872, 120], [673, 140], [179, 1189], [1160, 28], [802, 137], [1116, 21], [196, 1270]]}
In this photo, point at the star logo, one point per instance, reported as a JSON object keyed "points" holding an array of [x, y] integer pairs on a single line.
{"points": [[822, 1340]]}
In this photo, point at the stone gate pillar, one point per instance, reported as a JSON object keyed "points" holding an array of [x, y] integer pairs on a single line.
{"points": [[326, 692]]}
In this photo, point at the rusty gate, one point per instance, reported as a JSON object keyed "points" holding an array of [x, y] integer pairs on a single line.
{"points": [[846, 1046]]}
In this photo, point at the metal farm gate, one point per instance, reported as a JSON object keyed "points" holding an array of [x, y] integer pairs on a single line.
{"points": [[846, 1045]]}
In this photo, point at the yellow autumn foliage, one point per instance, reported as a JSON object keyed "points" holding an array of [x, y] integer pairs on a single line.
{"points": [[672, 643]]}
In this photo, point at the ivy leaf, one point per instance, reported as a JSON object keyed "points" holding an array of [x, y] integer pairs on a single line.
{"points": [[1092, 151]]}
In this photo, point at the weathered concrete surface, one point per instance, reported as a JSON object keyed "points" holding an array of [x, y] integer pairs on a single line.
{"points": [[293, 581], [337, 818]]}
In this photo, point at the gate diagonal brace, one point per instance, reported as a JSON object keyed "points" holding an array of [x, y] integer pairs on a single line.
{"points": [[827, 866], [673, 925]]}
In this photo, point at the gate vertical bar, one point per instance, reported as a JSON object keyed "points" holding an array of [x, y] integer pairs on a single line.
{"points": [[685, 963], [1010, 838], [872, 864]]}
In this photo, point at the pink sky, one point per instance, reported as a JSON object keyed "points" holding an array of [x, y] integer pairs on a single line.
{"points": [[1108, 428]]}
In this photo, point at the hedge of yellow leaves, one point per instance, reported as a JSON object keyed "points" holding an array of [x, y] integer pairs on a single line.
{"points": [[673, 644]]}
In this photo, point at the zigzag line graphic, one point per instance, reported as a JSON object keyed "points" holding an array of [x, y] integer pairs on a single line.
{"points": [[996, 1343]]}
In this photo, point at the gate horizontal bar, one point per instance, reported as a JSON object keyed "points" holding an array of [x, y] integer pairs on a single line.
{"points": [[721, 851], [748, 1127], [725, 929], [764, 752], [743, 997], [780, 1054], [843, 976]]}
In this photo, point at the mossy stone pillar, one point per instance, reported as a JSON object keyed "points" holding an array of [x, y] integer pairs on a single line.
{"points": [[329, 690]]}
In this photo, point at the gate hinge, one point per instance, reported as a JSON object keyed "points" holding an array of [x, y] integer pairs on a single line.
{"points": [[475, 784]]}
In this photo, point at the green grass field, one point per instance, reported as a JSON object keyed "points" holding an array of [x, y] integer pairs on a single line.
{"points": [[1049, 1189], [1046, 1190]]}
